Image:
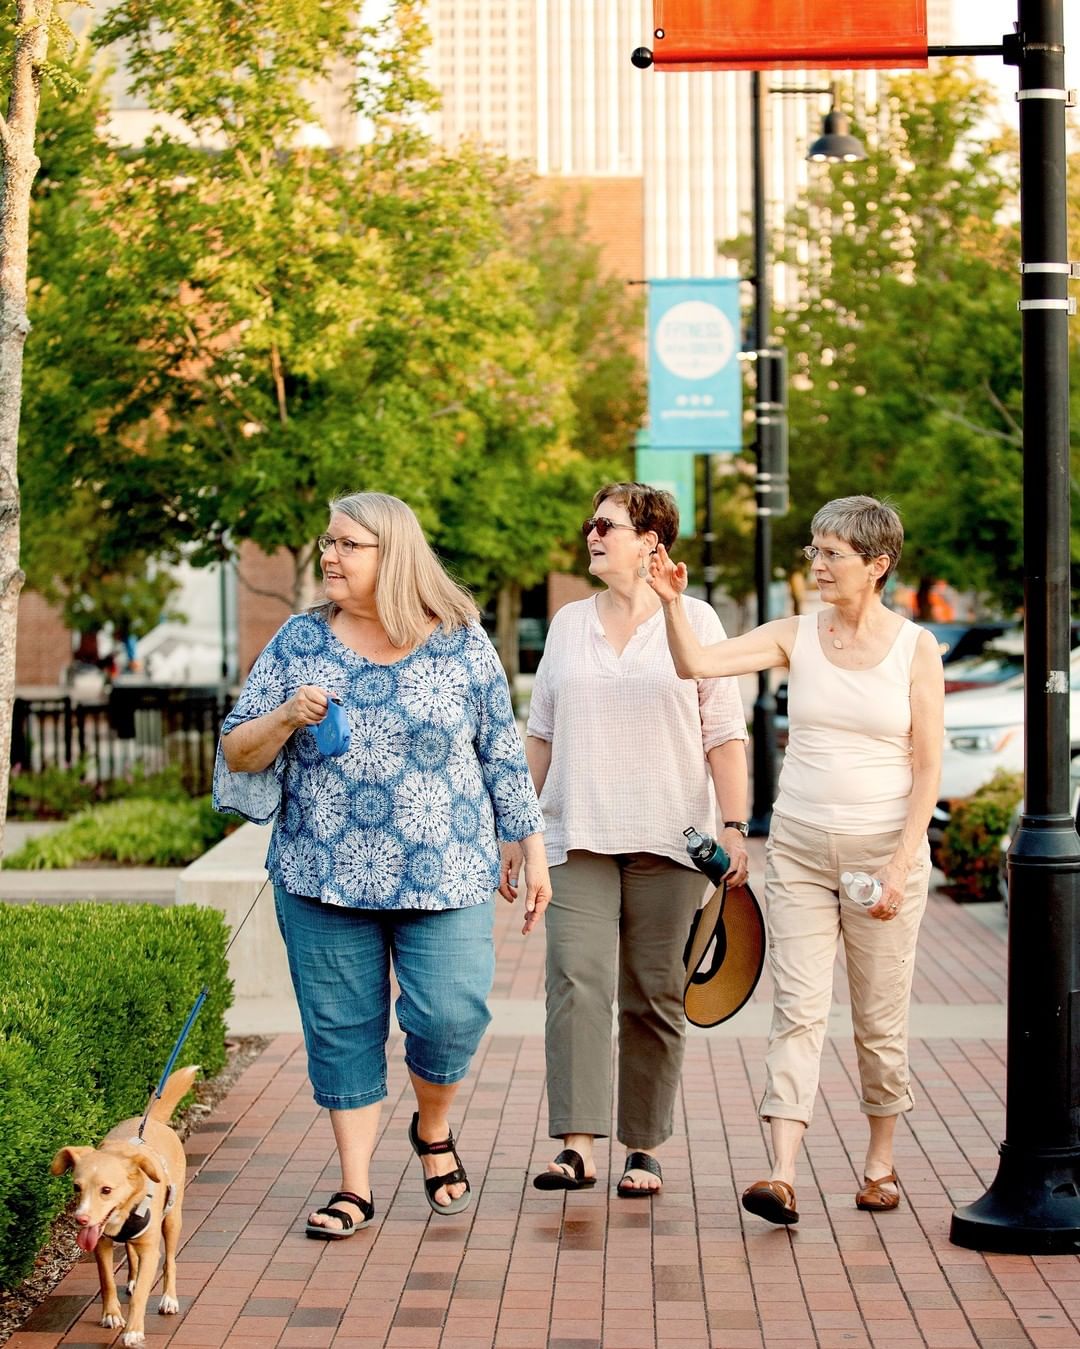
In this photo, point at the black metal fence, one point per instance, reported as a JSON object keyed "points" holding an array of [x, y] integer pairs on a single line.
{"points": [[138, 729]]}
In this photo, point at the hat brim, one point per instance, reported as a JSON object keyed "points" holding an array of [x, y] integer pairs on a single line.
{"points": [[724, 957]]}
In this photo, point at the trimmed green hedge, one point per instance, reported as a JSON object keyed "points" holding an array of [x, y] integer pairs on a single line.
{"points": [[91, 1002], [138, 832], [971, 841], [56, 793]]}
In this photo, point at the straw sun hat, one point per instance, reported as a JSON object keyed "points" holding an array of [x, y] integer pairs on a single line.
{"points": [[724, 955]]}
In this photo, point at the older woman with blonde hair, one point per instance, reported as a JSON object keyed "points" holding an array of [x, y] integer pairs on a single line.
{"points": [[385, 847], [860, 778]]}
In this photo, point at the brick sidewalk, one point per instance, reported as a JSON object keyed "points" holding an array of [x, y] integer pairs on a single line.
{"points": [[588, 1270]]}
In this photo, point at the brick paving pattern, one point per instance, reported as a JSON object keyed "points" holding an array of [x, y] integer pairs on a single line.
{"points": [[523, 1269]]}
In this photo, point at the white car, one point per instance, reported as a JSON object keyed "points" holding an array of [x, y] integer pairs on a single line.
{"points": [[984, 731]]}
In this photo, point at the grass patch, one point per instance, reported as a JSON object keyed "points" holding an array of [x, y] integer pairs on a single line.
{"points": [[133, 833]]}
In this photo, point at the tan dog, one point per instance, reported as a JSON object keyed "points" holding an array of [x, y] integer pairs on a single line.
{"points": [[131, 1191]]}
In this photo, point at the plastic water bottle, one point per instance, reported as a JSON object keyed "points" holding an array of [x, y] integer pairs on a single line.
{"points": [[861, 888], [707, 855]]}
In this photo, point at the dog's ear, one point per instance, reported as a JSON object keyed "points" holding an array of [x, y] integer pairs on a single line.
{"points": [[66, 1158], [146, 1161]]}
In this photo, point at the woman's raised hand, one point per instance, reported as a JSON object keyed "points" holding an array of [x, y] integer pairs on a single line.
{"points": [[668, 579]]}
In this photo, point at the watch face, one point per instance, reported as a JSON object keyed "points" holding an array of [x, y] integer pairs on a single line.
{"points": [[740, 825]]}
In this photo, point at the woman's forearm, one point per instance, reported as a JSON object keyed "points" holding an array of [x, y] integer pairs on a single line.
{"points": [[687, 653], [254, 745], [538, 757], [759, 649], [921, 804], [730, 775]]}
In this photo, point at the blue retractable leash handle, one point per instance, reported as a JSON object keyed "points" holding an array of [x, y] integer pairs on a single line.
{"points": [[332, 735]]}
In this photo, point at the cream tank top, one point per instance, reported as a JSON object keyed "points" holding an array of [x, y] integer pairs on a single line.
{"points": [[847, 768]]}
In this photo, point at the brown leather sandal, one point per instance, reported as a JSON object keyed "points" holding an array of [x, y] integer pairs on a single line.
{"points": [[773, 1200], [873, 1199]]}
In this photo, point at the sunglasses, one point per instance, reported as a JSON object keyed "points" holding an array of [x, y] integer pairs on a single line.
{"points": [[602, 524]]}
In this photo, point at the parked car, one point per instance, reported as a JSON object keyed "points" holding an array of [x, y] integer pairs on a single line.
{"points": [[1002, 659], [984, 731], [957, 641]]}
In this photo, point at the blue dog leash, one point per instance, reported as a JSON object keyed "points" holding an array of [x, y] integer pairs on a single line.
{"points": [[204, 993], [332, 735]]}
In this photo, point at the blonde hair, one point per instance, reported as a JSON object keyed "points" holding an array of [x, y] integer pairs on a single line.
{"points": [[412, 587]]}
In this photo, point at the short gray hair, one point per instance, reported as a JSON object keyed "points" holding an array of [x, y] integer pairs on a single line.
{"points": [[872, 528]]}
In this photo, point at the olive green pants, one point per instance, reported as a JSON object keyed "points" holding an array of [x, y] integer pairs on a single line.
{"points": [[617, 925]]}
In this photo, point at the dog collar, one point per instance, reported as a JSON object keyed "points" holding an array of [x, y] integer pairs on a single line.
{"points": [[136, 1221]]}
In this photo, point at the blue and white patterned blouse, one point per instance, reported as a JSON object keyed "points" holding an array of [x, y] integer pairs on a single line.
{"points": [[407, 817]]}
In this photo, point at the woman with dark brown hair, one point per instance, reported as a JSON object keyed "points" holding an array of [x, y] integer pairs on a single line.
{"points": [[612, 732]]}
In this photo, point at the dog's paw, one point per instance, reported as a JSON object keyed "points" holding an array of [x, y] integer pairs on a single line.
{"points": [[129, 1287], [133, 1339], [168, 1306]]}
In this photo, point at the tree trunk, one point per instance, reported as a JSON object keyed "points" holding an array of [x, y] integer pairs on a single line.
{"points": [[797, 590], [922, 599], [507, 614], [20, 165], [306, 589]]}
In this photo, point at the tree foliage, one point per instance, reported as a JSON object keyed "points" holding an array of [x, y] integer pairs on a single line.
{"points": [[244, 326], [904, 342]]}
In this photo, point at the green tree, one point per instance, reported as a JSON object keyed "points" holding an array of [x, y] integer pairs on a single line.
{"points": [[517, 514], [905, 341], [29, 28], [63, 543], [246, 326]]}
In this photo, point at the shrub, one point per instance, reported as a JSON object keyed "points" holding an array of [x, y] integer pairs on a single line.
{"points": [[57, 793], [139, 832], [972, 838], [93, 998]]}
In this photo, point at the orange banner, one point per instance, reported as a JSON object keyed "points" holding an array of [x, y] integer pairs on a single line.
{"points": [[780, 34]]}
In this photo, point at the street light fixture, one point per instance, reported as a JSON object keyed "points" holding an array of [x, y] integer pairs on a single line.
{"points": [[770, 416], [836, 144]]}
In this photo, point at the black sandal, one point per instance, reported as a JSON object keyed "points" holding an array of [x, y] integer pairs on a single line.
{"points": [[433, 1183], [559, 1180], [639, 1161], [348, 1226]]}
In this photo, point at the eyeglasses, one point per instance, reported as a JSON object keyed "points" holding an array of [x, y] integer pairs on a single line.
{"points": [[827, 555], [602, 524], [343, 547]]}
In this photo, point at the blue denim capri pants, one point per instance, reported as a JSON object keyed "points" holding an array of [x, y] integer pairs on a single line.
{"points": [[339, 960]]}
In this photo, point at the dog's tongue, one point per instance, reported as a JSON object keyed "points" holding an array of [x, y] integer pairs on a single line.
{"points": [[88, 1237]]}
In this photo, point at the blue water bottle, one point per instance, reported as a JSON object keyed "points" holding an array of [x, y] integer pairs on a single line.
{"points": [[707, 855]]}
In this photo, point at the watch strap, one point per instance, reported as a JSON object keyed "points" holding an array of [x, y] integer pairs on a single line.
{"points": [[741, 825]]}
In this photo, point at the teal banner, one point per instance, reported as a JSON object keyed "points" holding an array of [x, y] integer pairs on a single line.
{"points": [[670, 471], [695, 383]]}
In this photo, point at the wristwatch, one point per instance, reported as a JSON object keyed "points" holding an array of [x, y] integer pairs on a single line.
{"points": [[740, 825]]}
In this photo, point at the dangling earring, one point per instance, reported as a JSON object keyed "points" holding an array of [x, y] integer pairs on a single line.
{"points": [[642, 569]]}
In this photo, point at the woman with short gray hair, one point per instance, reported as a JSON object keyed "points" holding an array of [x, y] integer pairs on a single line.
{"points": [[859, 781]]}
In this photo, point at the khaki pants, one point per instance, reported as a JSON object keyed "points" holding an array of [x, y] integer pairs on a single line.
{"points": [[805, 920], [616, 923]]}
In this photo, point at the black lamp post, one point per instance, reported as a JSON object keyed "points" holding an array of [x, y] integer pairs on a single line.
{"points": [[1033, 1204]]}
